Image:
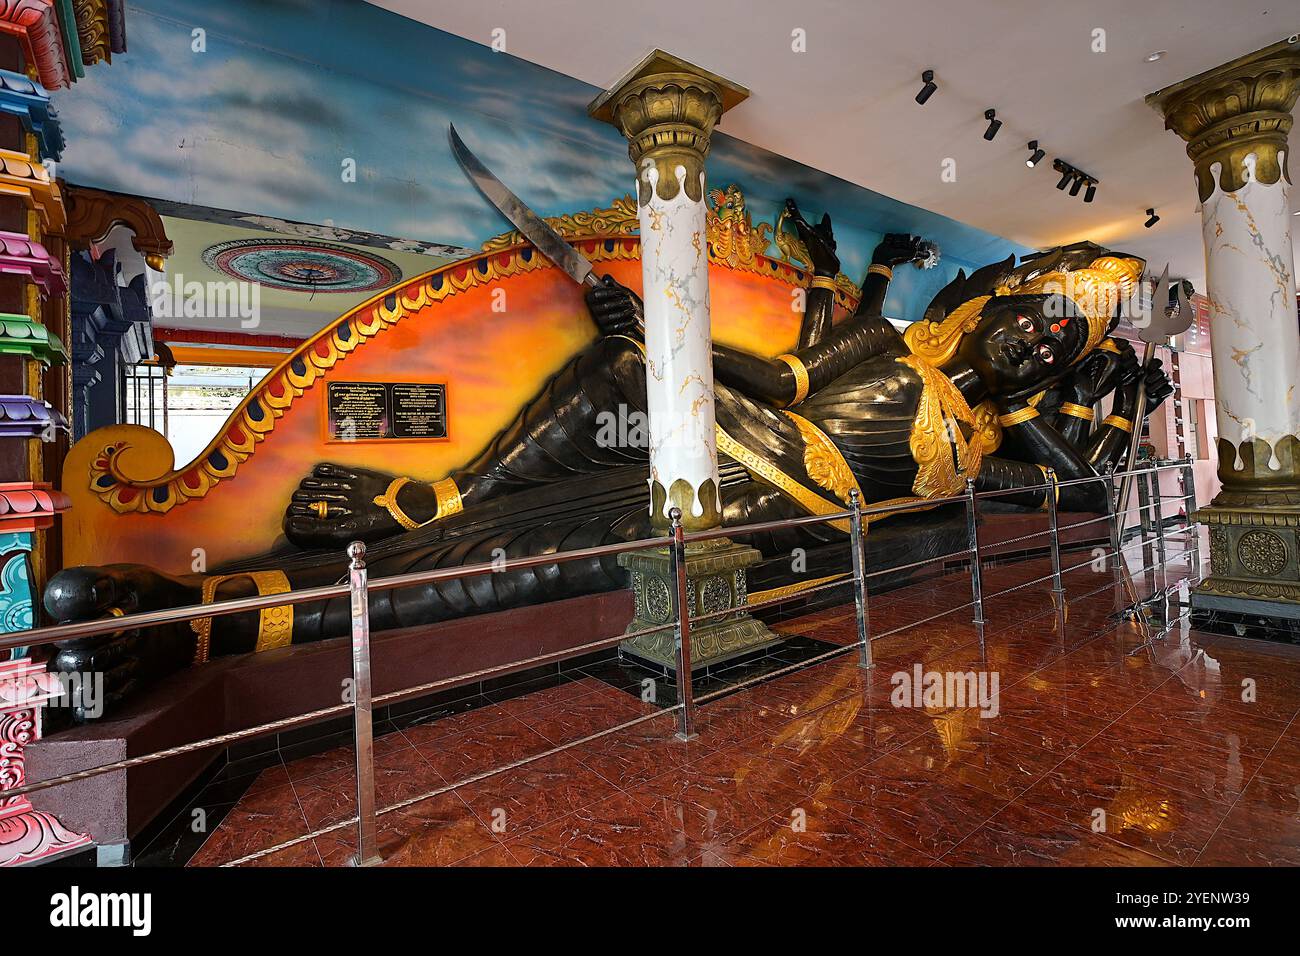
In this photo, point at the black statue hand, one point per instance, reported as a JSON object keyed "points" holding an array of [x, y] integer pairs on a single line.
{"points": [[1094, 378], [347, 497], [819, 240], [1157, 385], [616, 309], [109, 668], [898, 248]]}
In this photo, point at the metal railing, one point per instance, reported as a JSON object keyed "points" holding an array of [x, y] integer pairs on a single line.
{"points": [[359, 587]]}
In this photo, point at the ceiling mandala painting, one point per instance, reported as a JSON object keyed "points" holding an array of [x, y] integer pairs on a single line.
{"points": [[302, 265]]}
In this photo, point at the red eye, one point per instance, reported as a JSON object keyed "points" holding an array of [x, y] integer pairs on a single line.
{"points": [[1025, 322], [1046, 355]]}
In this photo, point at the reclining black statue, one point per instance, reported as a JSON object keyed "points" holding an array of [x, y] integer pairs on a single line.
{"points": [[1012, 358]]}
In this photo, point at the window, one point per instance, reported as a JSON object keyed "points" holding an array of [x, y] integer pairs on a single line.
{"points": [[190, 404]]}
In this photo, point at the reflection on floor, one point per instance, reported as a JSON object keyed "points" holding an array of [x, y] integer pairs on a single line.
{"points": [[1102, 752]]}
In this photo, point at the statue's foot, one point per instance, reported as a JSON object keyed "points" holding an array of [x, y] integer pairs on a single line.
{"points": [[104, 671], [336, 505]]}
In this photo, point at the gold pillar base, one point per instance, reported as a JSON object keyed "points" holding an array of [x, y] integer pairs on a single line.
{"points": [[715, 581], [1254, 545]]}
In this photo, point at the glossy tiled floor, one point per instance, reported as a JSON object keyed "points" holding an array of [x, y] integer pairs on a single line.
{"points": [[1102, 752]]}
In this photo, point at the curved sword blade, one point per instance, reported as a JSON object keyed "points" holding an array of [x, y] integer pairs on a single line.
{"points": [[533, 228]]}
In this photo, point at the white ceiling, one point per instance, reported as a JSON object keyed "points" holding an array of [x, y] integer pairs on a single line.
{"points": [[846, 105]]}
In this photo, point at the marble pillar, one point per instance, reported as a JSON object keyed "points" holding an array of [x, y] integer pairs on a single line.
{"points": [[1235, 120], [667, 108]]}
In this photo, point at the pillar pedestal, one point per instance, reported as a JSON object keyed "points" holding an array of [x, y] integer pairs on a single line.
{"points": [[715, 581], [1235, 120]]}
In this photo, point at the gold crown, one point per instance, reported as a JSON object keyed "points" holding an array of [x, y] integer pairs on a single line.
{"points": [[1096, 291]]}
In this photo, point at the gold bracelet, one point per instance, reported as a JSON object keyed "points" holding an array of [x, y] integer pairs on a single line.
{"points": [[202, 626], [1078, 411], [1047, 492], [800, 378], [274, 624], [449, 499], [1118, 421], [388, 501], [877, 269], [823, 282], [1018, 416], [1108, 345]]}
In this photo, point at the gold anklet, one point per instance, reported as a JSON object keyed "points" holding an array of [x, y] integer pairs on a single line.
{"points": [[274, 624]]}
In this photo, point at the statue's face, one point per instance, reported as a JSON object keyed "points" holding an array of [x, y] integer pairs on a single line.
{"points": [[1019, 344]]}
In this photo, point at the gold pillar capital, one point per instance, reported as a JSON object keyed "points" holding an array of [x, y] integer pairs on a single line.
{"points": [[1238, 108], [667, 108]]}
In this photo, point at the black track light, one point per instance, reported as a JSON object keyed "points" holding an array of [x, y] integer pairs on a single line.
{"points": [[1077, 185], [1066, 176], [995, 124], [927, 91], [1091, 193], [1037, 156], [1152, 218]]}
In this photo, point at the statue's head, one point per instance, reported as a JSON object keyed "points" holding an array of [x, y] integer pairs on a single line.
{"points": [[1021, 328]]}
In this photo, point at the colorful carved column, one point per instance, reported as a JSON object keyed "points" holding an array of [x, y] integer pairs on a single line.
{"points": [[1235, 120], [667, 109], [26, 834]]}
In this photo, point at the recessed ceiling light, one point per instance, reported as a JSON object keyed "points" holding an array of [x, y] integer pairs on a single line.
{"points": [[1152, 57]]}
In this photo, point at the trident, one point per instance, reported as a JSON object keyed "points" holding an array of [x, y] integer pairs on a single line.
{"points": [[1166, 321]]}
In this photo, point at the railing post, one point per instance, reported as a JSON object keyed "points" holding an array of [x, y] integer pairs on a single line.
{"points": [[367, 845], [1054, 531], [1158, 519], [682, 626], [1144, 525], [856, 542], [976, 568], [1193, 531]]}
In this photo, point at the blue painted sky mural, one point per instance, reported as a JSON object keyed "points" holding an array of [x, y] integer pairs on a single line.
{"points": [[262, 119]]}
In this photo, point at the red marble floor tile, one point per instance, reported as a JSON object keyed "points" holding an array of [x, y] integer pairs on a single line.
{"points": [[463, 755], [711, 801], [454, 723], [276, 776], [584, 716], [403, 774], [540, 699], [1042, 722], [300, 854], [260, 820], [1170, 760], [639, 753], [341, 758], [515, 801], [1254, 835], [1202, 724], [617, 831], [1255, 686], [915, 805], [496, 856], [727, 721], [439, 831], [818, 835], [1130, 809], [327, 798], [1018, 836], [966, 753]]}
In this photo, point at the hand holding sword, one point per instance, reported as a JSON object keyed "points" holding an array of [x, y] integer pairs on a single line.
{"points": [[618, 310]]}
